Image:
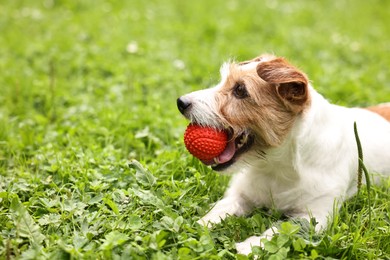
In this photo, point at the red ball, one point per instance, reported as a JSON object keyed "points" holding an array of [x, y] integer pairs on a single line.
{"points": [[205, 143]]}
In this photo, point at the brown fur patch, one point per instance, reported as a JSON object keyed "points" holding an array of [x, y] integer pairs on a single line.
{"points": [[291, 83], [275, 100], [383, 110]]}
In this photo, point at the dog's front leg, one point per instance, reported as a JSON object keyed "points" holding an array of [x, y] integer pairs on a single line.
{"points": [[230, 205], [245, 247]]}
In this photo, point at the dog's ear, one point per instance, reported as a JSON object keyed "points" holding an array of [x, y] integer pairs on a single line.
{"points": [[262, 57], [291, 84]]}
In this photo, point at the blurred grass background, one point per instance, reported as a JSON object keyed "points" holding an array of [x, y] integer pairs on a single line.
{"points": [[86, 86]]}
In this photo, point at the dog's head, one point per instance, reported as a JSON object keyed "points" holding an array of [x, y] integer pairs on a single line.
{"points": [[256, 101]]}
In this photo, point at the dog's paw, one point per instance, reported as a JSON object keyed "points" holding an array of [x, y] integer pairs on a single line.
{"points": [[209, 220], [202, 222], [206, 222], [245, 247]]}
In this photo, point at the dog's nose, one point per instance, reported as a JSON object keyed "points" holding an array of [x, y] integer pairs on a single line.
{"points": [[183, 104]]}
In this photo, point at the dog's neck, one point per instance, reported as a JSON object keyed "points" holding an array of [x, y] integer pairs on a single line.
{"points": [[291, 151]]}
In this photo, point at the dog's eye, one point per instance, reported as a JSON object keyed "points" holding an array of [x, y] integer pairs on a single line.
{"points": [[239, 91]]}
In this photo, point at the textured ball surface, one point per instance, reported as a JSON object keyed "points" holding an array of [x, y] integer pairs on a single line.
{"points": [[205, 143]]}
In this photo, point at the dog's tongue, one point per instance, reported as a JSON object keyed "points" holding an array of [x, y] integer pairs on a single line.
{"points": [[226, 155]]}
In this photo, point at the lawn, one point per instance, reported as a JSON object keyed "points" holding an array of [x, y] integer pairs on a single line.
{"points": [[92, 161]]}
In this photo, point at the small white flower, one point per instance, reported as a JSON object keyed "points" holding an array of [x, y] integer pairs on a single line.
{"points": [[179, 64], [132, 47]]}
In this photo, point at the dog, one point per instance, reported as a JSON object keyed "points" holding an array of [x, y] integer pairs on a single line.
{"points": [[289, 148]]}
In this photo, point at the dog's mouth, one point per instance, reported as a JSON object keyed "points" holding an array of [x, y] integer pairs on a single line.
{"points": [[235, 147]]}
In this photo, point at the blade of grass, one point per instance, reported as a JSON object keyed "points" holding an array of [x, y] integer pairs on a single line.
{"points": [[362, 168], [368, 184], [360, 156]]}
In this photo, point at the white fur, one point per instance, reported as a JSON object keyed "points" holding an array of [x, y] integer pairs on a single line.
{"points": [[314, 168], [203, 106]]}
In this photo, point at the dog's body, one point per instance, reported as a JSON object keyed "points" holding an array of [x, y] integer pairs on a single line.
{"points": [[292, 149]]}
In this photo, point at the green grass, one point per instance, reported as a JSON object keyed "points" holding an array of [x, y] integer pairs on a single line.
{"points": [[92, 163]]}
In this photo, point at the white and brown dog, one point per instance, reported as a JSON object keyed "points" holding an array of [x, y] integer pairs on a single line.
{"points": [[289, 148]]}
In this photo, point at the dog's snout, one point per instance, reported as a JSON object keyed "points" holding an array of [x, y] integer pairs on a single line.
{"points": [[183, 104]]}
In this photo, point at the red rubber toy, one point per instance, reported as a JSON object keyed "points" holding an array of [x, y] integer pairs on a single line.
{"points": [[205, 143]]}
